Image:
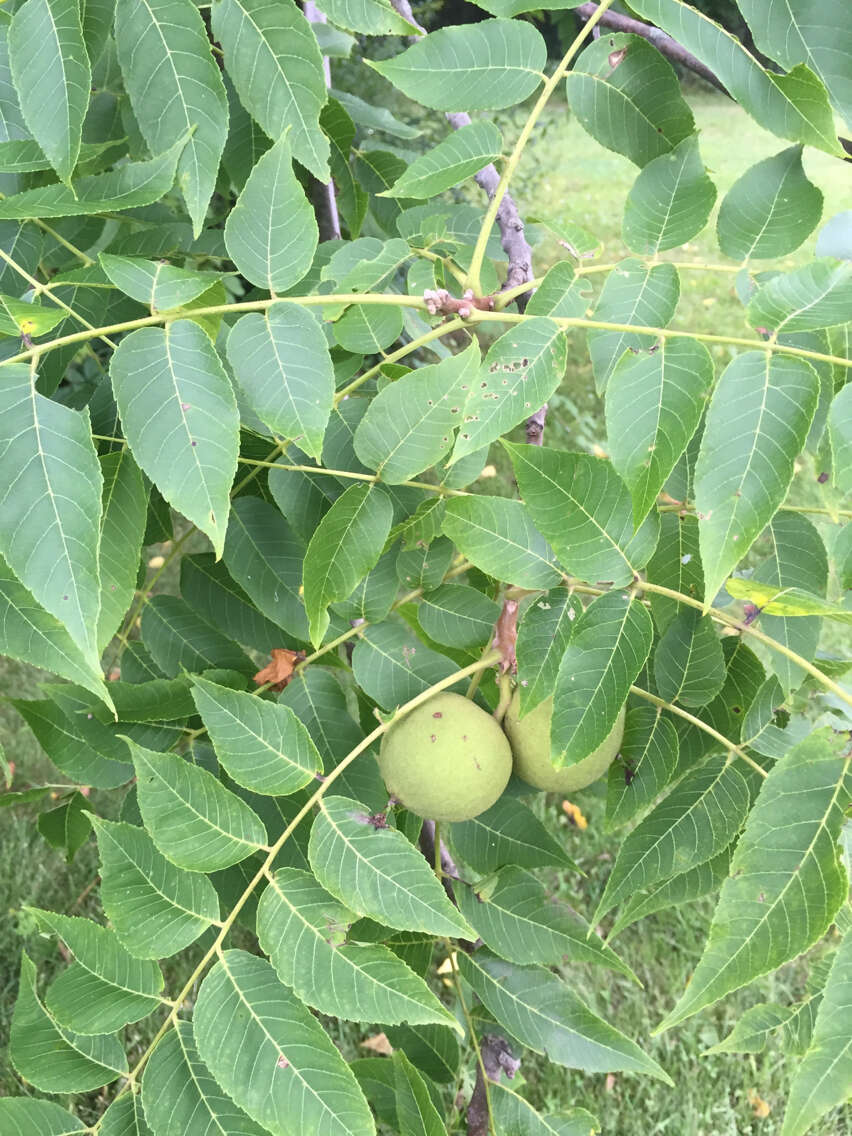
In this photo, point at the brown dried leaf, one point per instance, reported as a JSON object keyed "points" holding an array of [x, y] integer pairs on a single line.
{"points": [[279, 672]]}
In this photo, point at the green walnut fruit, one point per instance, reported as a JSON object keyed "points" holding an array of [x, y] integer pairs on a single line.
{"points": [[446, 760], [530, 738]]}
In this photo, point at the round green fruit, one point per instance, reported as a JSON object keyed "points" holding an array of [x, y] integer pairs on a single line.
{"points": [[446, 760], [530, 740]]}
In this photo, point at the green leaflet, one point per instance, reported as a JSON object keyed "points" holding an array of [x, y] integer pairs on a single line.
{"points": [[271, 1055], [409, 425], [797, 561], [371, 17], [781, 896], [545, 1014], [263, 746], [840, 433], [47, 52], [670, 200], [392, 666], [159, 286], [345, 546], [684, 888], [374, 871], [271, 233], [752, 1030], [172, 390], [609, 647], [497, 535], [517, 919], [822, 1080], [455, 158], [130, 186], [273, 59], [178, 639], [179, 1094], [634, 107], [689, 666], [698, 820], [20, 318], [482, 66], [648, 753], [53, 1059], [543, 635], [24, 1114], [49, 527], [632, 293], [105, 987], [415, 1109], [824, 44], [654, 403], [135, 876], [125, 509], [175, 87], [507, 833], [281, 363], [193, 819], [756, 425], [808, 298], [458, 616], [514, 1114], [264, 556], [304, 930], [770, 210], [583, 508], [30, 633], [518, 375], [793, 106]]}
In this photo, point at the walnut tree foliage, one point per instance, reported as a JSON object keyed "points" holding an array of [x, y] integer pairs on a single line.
{"points": [[237, 327]]}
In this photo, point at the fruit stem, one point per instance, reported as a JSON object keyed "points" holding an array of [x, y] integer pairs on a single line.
{"points": [[505, 697]]}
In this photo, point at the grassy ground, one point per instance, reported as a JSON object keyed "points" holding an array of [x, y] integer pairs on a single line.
{"points": [[567, 176]]}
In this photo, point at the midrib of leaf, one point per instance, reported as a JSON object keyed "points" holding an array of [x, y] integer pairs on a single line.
{"points": [[266, 745], [780, 189], [371, 867], [150, 882], [190, 147], [524, 549], [585, 513], [274, 344], [807, 854], [57, 520], [109, 981], [758, 434], [191, 1071], [339, 543], [606, 669], [358, 971], [202, 478], [807, 307], [65, 84], [188, 805], [235, 519], [306, 1085], [537, 1011], [624, 98]]}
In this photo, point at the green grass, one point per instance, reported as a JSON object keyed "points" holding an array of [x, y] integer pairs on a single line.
{"points": [[568, 176]]}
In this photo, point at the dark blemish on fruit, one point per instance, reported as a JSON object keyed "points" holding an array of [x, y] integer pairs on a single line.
{"points": [[437, 714]]}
